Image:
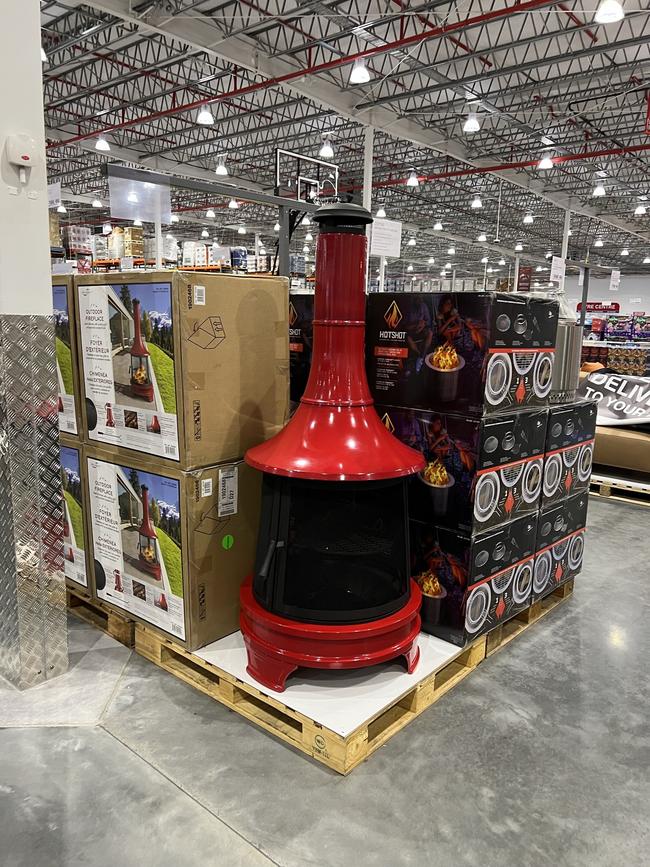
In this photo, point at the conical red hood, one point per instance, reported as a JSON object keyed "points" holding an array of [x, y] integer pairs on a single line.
{"points": [[146, 527], [336, 434], [138, 347]]}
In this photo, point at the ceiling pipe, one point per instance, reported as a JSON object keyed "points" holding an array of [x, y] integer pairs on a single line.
{"points": [[416, 38]]}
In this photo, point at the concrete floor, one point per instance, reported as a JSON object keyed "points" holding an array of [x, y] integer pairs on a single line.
{"points": [[539, 758]]}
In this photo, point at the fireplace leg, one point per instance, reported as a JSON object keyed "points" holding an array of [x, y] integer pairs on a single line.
{"points": [[268, 670], [412, 657]]}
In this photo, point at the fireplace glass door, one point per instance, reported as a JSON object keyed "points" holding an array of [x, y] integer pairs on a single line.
{"points": [[332, 552]]}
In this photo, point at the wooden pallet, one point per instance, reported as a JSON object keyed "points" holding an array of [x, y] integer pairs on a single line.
{"points": [[339, 753], [624, 490], [93, 611]]}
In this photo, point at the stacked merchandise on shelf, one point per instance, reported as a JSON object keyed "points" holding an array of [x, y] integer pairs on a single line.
{"points": [[169, 249], [465, 378], [77, 239], [54, 229], [100, 247], [179, 373], [134, 242]]}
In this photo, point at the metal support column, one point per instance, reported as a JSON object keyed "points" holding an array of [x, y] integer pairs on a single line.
{"points": [[368, 150], [283, 242], [515, 282], [584, 272], [565, 234]]}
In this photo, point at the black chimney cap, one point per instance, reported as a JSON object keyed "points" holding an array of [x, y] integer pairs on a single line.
{"points": [[340, 217]]}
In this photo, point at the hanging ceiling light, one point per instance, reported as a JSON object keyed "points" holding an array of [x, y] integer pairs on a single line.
{"points": [[569, 233], [545, 163], [205, 234], [276, 228], [233, 204], [305, 221], [381, 213], [528, 219], [97, 203], [519, 247], [359, 73], [221, 168], [548, 254], [625, 252], [432, 261], [484, 260], [598, 242], [411, 242], [539, 268], [262, 251], [490, 270], [241, 230], [412, 180], [305, 249], [137, 222], [174, 218], [210, 214], [205, 117], [482, 237], [437, 226], [62, 209], [326, 150], [451, 251], [410, 268], [309, 237], [447, 266], [598, 191], [443, 273], [502, 261], [102, 145], [640, 211], [476, 202], [609, 12], [472, 123], [646, 261]]}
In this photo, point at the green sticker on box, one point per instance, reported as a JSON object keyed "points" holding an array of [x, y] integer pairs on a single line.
{"points": [[227, 542]]}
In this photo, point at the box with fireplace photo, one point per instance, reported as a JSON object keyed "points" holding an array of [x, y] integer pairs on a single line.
{"points": [[66, 355], [74, 512]]}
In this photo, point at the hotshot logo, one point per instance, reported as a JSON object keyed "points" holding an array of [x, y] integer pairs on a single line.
{"points": [[392, 318]]}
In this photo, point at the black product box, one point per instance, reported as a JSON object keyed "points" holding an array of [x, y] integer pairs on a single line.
{"points": [[482, 580], [560, 544], [569, 450], [474, 353], [301, 317], [480, 473]]}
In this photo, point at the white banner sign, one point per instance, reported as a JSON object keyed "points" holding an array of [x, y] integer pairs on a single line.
{"points": [[558, 270], [386, 239], [614, 281], [54, 194]]}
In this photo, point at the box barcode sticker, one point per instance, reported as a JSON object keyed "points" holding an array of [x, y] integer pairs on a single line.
{"points": [[199, 295], [206, 487], [227, 502], [170, 449]]}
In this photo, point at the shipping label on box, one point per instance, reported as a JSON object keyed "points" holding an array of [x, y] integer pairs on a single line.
{"points": [[74, 546], [64, 359], [136, 531], [127, 352]]}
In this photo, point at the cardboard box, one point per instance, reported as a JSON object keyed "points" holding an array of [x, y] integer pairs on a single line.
{"points": [[560, 544], [473, 353], [480, 472], [301, 341], [170, 547], [569, 450], [54, 229], [75, 526], [67, 370], [483, 580], [623, 447], [619, 325], [190, 367]]}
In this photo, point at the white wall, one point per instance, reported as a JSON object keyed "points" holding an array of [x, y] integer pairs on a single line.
{"points": [[633, 294], [25, 280]]}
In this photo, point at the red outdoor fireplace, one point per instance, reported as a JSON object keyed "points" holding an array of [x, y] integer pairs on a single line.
{"points": [[331, 586], [141, 384], [147, 540]]}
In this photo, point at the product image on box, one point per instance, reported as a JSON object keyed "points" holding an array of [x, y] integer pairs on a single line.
{"points": [[136, 528], [480, 472], [74, 554], [301, 315], [569, 450], [64, 359], [474, 352], [128, 365], [560, 544], [471, 583]]}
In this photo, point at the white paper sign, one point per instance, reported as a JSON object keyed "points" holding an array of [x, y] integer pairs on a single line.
{"points": [[614, 281], [54, 194], [558, 270], [386, 238]]}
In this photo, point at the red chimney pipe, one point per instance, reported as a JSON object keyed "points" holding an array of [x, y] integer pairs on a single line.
{"points": [[139, 347], [336, 434], [146, 527]]}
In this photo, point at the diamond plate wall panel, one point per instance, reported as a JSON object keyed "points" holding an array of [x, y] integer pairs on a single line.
{"points": [[33, 633]]}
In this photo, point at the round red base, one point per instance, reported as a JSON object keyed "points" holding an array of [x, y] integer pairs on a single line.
{"points": [[277, 646]]}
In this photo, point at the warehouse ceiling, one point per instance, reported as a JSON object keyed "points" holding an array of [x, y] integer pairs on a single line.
{"points": [[541, 78]]}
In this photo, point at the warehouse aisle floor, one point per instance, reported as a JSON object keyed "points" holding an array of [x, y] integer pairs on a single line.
{"points": [[539, 758]]}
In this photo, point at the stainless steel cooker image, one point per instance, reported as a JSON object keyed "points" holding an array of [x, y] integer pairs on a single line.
{"points": [[543, 571], [478, 608]]}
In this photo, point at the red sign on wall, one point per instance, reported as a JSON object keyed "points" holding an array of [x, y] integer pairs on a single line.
{"points": [[599, 307]]}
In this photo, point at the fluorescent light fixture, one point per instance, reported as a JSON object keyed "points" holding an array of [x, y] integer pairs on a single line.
{"points": [[381, 213], [443, 273], [205, 233], [472, 123], [598, 191], [205, 117], [262, 251], [412, 180], [359, 73], [305, 249], [411, 242], [62, 209], [326, 150], [490, 270], [241, 230], [598, 242], [502, 261], [102, 145], [528, 219], [210, 214], [43, 55], [432, 261], [539, 268], [625, 252], [569, 233], [646, 261], [233, 204], [548, 254], [451, 251], [518, 247], [447, 266], [640, 211], [482, 237], [106, 229], [132, 197], [276, 228], [476, 202], [174, 218], [545, 140], [609, 12], [484, 260], [437, 226], [410, 268], [305, 221], [545, 163], [137, 222], [643, 198], [97, 203], [221, 168]]}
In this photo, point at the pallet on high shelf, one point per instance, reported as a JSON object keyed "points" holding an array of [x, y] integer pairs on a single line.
{"points": [[628, 490], [93, 611], [340, 753]]}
